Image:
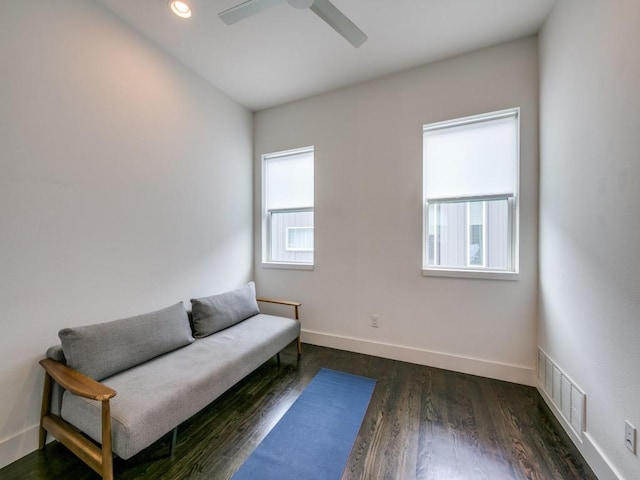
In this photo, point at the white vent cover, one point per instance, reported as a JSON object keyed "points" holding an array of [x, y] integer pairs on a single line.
{"points": [[565, 395]]}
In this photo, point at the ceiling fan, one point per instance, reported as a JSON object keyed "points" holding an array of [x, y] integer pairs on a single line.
{"points": [[323, 8]]}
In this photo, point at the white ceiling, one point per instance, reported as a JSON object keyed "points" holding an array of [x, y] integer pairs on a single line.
{"points": [[284, 54]]}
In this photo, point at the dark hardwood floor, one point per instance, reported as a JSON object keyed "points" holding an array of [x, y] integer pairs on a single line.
{"points": [[422, 423]]}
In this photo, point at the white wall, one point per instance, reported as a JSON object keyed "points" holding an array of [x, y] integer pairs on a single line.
{"points": [[590, 218], [368, 218], [126, 185]]}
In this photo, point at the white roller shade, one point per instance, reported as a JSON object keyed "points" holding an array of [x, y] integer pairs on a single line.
{"points": [[471, 159], [289, 181]]}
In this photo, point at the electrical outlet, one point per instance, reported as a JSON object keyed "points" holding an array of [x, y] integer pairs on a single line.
{"points": [[374, 321], [630, 436]]}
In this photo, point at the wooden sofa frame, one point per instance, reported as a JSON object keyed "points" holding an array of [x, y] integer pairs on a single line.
{"points": [[99, 458]]}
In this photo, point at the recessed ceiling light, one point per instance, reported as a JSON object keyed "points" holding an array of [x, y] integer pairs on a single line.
{"points": [[180, 8]]}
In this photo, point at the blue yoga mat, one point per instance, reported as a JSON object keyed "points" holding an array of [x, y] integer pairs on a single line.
{"points": [[312, 441]]}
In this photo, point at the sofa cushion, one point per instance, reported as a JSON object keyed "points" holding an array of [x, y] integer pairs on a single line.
{"points": [[104, 349], [215, 313], [158, 395]]}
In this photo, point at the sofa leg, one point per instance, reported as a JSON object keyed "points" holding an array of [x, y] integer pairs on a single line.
{"points": [[107, 454], [299, 336], [46, 405], [174, 440], [278, 358]]}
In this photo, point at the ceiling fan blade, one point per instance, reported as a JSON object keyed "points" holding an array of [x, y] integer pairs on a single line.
{"points": [[339, 22], [246, 9]]}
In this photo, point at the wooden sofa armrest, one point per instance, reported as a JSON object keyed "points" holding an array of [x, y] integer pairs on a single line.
{"points": [[76, 382], [100, 459], [295, 306], [280, 302]]}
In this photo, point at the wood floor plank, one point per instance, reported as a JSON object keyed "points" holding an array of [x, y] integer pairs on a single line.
{"points": [[422, 424]]}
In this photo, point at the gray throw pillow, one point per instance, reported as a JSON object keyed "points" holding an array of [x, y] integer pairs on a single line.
{"points": [[104, 349], [215, 313]]}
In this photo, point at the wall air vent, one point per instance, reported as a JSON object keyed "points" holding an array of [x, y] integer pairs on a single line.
{"points": [[567, 398]]}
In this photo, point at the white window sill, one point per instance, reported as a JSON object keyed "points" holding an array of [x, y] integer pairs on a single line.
{"points": [[288, 266], [481, 274]]}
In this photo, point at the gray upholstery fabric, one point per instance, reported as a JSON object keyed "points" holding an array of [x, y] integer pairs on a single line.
{"points": [[56, 353], [158, 395], [215, 313], [104, 349]]}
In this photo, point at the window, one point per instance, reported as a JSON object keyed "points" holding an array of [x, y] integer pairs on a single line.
{"points": [[300, 239], [470, 190], [288, 228]]}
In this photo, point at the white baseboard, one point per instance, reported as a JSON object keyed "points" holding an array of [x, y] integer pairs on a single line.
{"points": [[589, 449], [18, 445], [598, 461], [474, 366]]}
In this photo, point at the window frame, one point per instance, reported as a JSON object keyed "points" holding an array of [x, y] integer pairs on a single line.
{"points": [[513, 209], [267, 214]]}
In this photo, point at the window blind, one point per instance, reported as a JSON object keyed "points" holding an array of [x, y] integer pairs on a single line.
{"points": [[289, 181], [471, 159]]}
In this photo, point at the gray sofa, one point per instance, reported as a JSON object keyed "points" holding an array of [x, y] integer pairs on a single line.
{"points": [[129, 382]]}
